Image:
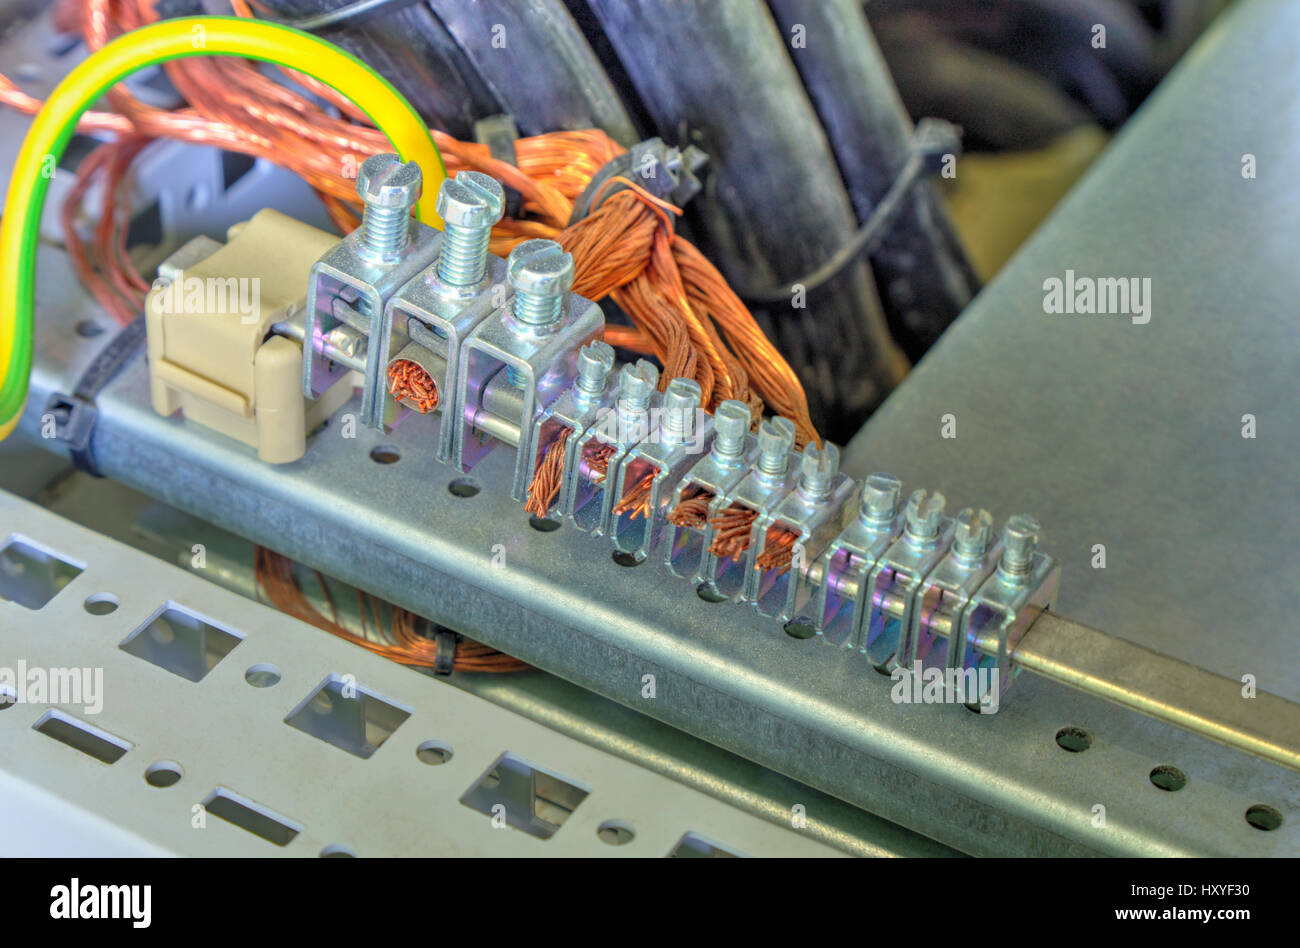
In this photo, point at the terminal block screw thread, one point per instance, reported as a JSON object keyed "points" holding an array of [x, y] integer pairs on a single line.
{"points": [[469, 205], [389, 189], [1019, 543], [880, 496], [775, 441], [817, 470], [730, 426], [924, 511], [595, 362], [973, 534], [681, 402], [636, 386], [540, 273]]}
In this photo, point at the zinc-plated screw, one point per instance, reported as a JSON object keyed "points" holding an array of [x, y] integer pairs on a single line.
{"points": [[973, 533], [681, 402], [540, 273], [730, 426], [595, 362], [469, 204], [389, 189], [880, 495], [775, 441], [1019, 542], [636, 386], [924, 511], [817, 470]]}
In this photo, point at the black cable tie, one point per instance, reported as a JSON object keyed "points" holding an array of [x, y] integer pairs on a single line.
{"points": [[933, 140], [666, 172], [499, 133], [75, 415]]}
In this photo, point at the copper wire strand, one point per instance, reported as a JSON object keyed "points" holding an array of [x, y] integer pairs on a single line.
{"points": [[732, 532], [549, 476], [275, 576], [408, 382], [596, 457], [778, 550], [693, 509], [636, 499]]}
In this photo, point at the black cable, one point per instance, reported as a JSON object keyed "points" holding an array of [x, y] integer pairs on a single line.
{"points": [[934, 138]]}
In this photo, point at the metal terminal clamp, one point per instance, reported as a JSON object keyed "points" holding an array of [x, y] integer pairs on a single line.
{"points": [[430, 316], [839, 608], [561, 425], [950, 586], [351, 284], [521, 358], [643, 479], [729, 458], [894, 580], [812, 515], [763, 487], [1020, 589], [601, 447]]}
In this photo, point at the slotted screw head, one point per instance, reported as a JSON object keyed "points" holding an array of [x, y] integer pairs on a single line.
{"points": [[924, 511], [974, 532], [637, 382], [880, 496], [775, 441], [731, 425], [384, 181], [681, 401], [540, 268], [595, 362], [1019, 543], [471, 200], [817, 469]]}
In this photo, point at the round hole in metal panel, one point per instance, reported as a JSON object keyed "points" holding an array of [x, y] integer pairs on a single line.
{"points": [[1263, 817], [464, 487], [709, 593], [89, 329], [8, 698], [615, 833], [543, 524], [1073, 739], [262, 675], [1168, 777], [801, 627], [433, 753], [625, 559], [385, 454], [164, 773], [100, 604]]}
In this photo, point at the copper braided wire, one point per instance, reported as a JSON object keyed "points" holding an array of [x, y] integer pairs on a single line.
{"points": [[636, 499], [274, 576], [732, 531], [408, 382], [549, 477], [596, 456], [693, 509], [778, 550]]}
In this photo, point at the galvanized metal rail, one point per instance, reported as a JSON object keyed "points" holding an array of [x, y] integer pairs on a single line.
{"points": [[981, 783], [1165, 688]]}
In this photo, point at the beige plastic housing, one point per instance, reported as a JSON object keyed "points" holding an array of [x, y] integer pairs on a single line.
{"points": [[209, 355]]}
